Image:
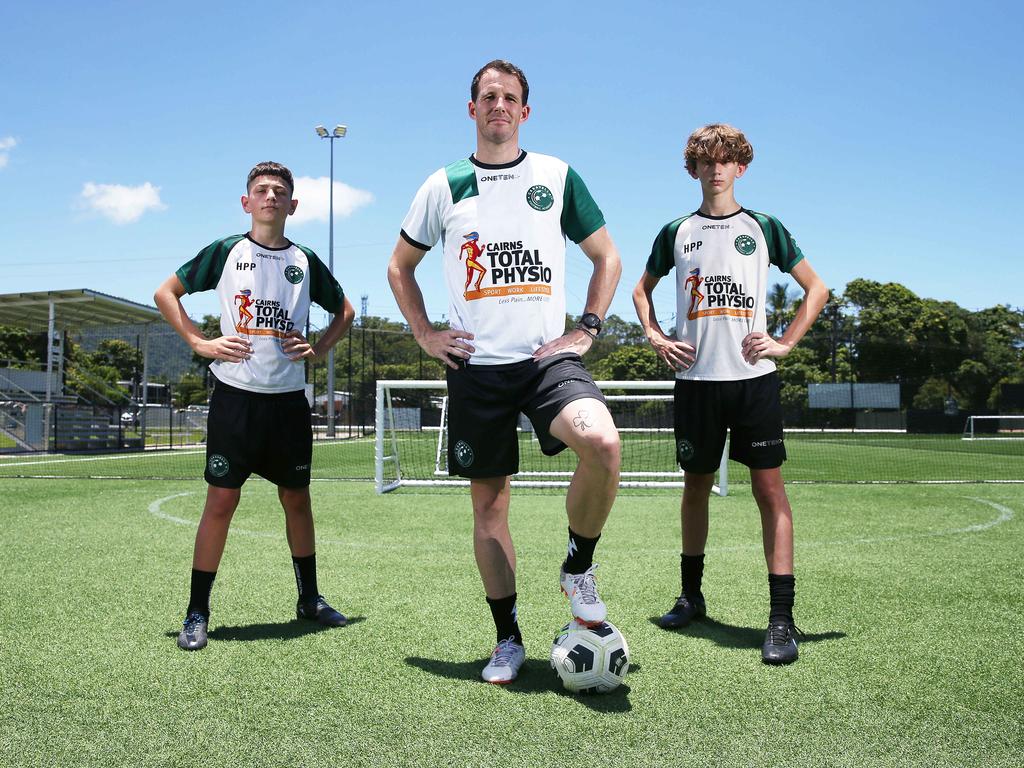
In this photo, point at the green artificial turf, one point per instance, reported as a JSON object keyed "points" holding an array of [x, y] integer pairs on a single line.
{"points": [[910, 598]]}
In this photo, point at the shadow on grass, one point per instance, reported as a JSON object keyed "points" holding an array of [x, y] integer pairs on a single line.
{"points": [[535, 676], [286, 630], [732, 636]]}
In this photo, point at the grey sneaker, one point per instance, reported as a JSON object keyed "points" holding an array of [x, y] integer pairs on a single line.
{"points": [[505, 662], [584, 602], [193, 634], [321, 612]]}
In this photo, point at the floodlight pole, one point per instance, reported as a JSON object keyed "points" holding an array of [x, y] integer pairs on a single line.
{"points": [[338, 133]]}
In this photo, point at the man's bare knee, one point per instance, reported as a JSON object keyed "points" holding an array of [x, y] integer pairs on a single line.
{"points": [[602, 449]]}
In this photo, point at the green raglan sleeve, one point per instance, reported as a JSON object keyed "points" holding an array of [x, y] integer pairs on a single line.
{"points": [[323, 288], [663, 252], [783, 251], [203, 272], [580, 215]]}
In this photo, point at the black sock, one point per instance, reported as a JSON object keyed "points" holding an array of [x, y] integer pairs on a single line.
{"points": [[782, 591], [691, 572], [581, 553], [506, 619], [199, 594], [305, 578]]}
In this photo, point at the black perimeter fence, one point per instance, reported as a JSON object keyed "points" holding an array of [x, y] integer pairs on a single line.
{"points": [[88, 433]]}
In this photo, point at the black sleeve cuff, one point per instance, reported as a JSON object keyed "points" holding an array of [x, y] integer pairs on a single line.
{"points": [[413, 243]]}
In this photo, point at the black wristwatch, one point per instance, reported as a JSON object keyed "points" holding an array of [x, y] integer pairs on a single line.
{"points": [[590, 323]]}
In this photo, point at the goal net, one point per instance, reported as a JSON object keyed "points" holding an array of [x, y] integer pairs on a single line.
{"points": [[412, 446], [994, 428]]}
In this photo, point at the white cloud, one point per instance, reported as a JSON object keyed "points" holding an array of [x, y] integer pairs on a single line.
{"points": [[6, 145], [120, 204], [314, 199]]}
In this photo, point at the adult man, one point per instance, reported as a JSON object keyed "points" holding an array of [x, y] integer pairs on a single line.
{"points": [[506, 352]]}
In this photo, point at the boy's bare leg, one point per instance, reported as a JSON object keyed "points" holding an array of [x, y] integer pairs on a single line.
{"points": [[777, 534], [776, 519], [298, 518], [694, 511], [213, 527], [693, 516]]}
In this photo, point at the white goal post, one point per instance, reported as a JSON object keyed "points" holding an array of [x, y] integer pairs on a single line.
{"points": [[1002, 427], [411, 439]]}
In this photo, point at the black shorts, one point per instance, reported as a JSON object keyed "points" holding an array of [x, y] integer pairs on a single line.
{"points": [[749, 408], [484, 403], [269, 434]]}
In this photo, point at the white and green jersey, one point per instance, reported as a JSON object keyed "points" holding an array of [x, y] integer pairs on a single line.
{"points": [[503, 230], [264, 293], [721, 285]]}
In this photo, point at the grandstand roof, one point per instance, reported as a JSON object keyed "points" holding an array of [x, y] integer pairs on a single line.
{"points": [[73, 309]]}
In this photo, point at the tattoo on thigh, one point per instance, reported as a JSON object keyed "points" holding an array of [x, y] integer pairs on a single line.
{"points": [[580, 422]]}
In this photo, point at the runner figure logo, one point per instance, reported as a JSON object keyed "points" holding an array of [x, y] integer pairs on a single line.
{"points": [[696, 297], [473, 251], [244, 300]]}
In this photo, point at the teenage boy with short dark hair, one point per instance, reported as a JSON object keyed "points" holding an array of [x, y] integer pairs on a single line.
{"points": [[259, 419]]}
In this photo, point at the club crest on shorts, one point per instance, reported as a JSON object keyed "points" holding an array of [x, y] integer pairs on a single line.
{"points": [[293, 274], [463, 453], [539, 197], [745, 244], [685, 450], [217, 465]]}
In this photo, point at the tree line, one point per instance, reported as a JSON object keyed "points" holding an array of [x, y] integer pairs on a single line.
{"points": [[872, 332]]}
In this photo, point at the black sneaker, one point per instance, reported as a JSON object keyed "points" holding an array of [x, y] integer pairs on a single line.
{"points": [[193, 634], [320, 611], [780, 643], [683, 612]]}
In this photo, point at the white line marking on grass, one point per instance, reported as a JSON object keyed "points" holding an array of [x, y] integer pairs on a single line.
{"points": [[106, 457], [1004, 516], [155, 510]]}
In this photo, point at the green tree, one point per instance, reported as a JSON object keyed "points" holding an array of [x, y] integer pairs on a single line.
{"points": [[780, 309], [632, 363], [119, 355], [190, 390], [209, 326], [20, 348]]}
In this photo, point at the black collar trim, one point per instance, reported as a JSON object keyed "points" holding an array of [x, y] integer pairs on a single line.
{"points": [[718, 218], [498, 166], [267, 247]]}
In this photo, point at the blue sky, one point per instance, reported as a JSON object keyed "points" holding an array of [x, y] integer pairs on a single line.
{"points": [[886, 135]]}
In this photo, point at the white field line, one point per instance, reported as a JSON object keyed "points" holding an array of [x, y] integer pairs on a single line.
{"points": [[1005, 515], [129, 456]]}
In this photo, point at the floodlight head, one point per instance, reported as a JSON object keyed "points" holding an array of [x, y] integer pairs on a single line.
{"points": [[321, 132], [340, 130]]}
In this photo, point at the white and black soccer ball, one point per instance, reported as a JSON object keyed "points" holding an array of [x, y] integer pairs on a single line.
{"points": [[590, 659]]}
